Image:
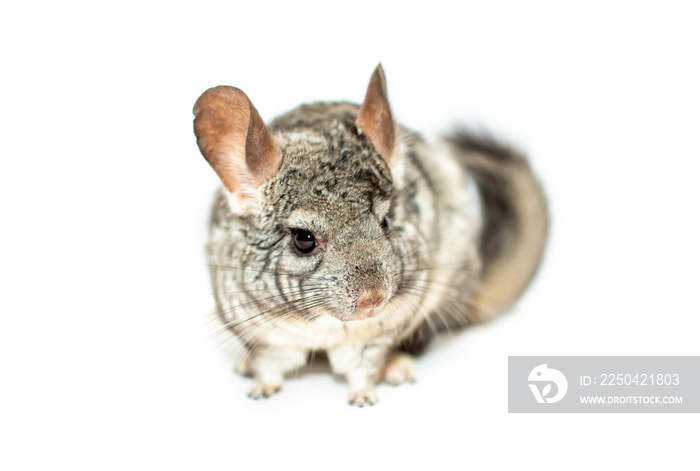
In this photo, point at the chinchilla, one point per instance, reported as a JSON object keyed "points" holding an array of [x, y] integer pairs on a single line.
{"points": [[339, 230]]}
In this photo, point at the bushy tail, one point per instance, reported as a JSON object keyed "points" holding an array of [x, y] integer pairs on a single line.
{"points": [[515, 220]]}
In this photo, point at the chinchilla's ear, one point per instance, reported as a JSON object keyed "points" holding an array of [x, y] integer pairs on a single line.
{"points": [[234, 140], [375, 119]]}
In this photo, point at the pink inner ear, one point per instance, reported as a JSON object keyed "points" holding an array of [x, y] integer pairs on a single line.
{"points": [[233, 138], [375, 118], [263, 154]]}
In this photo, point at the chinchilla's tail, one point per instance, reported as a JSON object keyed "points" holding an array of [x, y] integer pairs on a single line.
{"points": [[515, 219]]}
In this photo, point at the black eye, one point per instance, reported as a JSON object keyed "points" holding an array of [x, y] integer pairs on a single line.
{"points": [[386, 225], [304, 241]]}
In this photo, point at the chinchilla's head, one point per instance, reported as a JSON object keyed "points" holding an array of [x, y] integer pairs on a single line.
{"points": [[315, 191]]}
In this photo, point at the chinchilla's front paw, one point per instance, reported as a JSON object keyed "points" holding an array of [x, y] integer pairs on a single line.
{"points": [[269, 365], [363, 397], [261, 390]]}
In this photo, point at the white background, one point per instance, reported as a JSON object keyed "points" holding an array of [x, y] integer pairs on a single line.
{"points": [[105, 358]]}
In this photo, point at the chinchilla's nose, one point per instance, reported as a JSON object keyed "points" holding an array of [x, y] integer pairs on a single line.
{"points": [[370, 303]]}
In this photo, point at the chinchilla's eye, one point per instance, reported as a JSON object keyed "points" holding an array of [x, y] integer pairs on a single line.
{"points": [[386, 225], [304, 241]]}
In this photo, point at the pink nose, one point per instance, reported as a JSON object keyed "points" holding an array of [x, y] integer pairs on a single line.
{"points": [[370, 299]]}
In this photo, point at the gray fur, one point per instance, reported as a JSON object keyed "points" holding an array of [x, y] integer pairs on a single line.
{"points": [[332, 182]]}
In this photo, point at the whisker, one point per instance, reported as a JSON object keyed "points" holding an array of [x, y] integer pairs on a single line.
{"points": [[232, 324], [270, 272]]}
